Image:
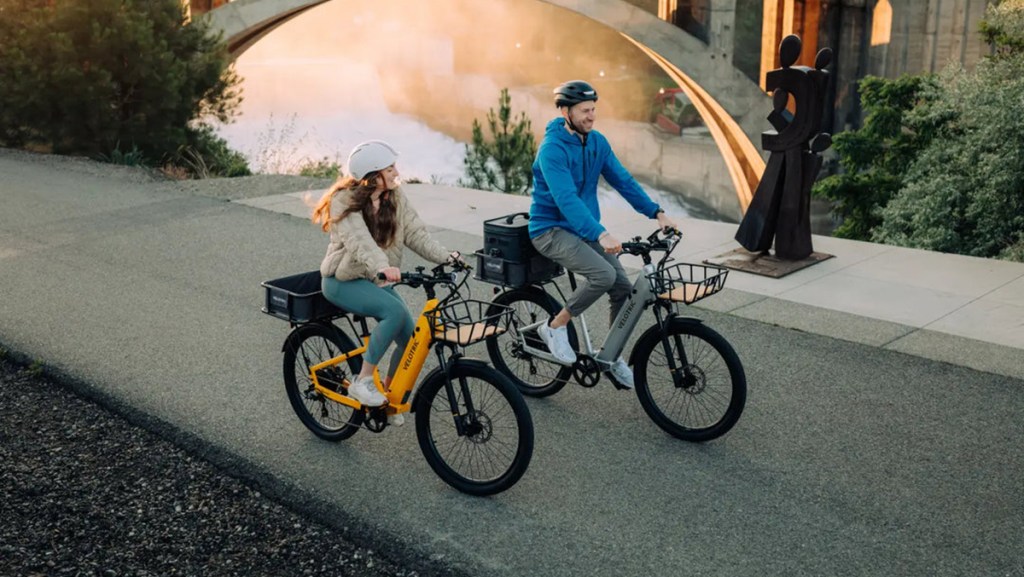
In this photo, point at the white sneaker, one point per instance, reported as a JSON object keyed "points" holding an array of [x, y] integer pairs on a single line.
{"points": [[398, 419], [364, 391], [557, 341], [621, 372]]}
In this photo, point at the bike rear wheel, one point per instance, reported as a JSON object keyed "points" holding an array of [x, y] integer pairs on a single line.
{"points": [[533, 377], [483, 444], [707, 398], [309, 346]]}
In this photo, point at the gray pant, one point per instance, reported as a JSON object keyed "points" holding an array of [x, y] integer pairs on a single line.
{"points": [[602, 271]]}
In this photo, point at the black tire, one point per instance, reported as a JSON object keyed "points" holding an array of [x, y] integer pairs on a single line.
{"points": [[532, 376], [310, 345], [499, 445], [711, 397]]}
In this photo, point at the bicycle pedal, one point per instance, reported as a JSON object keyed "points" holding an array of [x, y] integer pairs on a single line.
{"points": [[617, 384], [376, 420]]}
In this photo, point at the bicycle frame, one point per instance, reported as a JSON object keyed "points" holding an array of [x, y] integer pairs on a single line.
{"points": [[406, 375], [641, 297]]}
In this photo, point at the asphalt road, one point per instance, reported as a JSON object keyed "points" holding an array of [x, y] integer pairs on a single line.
{"points": [[849, 459]]}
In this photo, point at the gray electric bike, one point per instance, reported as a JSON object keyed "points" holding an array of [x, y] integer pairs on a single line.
{"points": [[689, 379]]}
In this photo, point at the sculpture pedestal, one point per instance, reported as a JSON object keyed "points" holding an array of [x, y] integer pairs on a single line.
{"points": [[764, 264]]}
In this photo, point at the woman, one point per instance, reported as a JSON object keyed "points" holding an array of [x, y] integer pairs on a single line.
{"points": [[370, 221]]}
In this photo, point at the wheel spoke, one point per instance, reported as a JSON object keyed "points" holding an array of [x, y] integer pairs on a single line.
{"points": [[533, 376], [497, 442], [710, 396], [324, 417]]}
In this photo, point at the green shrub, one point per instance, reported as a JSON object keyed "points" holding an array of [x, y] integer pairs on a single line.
{"points": [[323, 168], [874, 159], [103, 76], [964, 193], [133, 157], [220, 160]]}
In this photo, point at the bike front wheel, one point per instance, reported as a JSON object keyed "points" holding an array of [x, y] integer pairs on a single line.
{"points": [[475, 430], [309, 346], [705, 396], [533, 376]]}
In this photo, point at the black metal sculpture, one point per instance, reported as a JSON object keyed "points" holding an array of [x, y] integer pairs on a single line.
{"points": [[780, 208]]}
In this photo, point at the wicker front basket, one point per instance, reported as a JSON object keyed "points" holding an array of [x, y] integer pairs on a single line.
{"points": [[467, 322], [688, 283]]}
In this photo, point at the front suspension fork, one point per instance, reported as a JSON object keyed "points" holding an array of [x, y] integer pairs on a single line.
{"points": [[464, 421], [680, 375]]}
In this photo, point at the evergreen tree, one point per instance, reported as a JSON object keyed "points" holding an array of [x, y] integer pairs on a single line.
{"points": [[938, 164], [105, 76], [505, 162], [1003, 27], [964, 192], [874, 159]]}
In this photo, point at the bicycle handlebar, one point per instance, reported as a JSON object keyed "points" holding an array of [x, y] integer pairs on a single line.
{"points": [[437, 275], [644, 247]]}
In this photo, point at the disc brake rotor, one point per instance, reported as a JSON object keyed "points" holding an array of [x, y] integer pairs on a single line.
{"points": [[479, 427], [694, 380]]}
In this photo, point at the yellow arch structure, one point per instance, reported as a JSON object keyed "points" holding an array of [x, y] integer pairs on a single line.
{"points": [[744, 163]]}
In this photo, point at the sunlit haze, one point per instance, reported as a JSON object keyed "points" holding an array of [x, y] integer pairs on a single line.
{"points": [[417, 73]]}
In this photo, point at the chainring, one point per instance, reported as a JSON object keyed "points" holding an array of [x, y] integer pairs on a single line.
{"points": [[376, 419], [586, 371]]}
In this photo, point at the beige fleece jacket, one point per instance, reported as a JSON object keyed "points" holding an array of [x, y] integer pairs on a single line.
{"points": [[352, 253]]}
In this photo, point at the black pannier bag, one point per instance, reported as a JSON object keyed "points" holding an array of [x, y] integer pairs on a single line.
{"points": [[508, 258]]}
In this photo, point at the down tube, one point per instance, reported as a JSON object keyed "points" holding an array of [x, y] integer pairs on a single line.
{"points": [[413, 358], [628, 317]]}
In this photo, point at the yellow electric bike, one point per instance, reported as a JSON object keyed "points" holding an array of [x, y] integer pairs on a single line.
{"points": [[473, 426]]}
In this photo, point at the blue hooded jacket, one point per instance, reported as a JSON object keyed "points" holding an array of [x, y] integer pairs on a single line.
{"points": [[565, 176]]}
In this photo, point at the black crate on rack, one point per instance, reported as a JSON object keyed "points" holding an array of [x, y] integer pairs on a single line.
{"points": [[496, 270], [298, 298], [508, 237]]}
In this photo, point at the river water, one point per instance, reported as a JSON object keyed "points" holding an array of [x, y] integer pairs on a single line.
{"points": [[315, 87], [294, 113]]}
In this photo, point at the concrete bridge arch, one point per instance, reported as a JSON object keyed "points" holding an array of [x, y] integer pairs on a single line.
{"points": [[732, 106]]}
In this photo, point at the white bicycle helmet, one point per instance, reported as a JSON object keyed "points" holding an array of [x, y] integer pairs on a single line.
{"points": [[370, 156]]}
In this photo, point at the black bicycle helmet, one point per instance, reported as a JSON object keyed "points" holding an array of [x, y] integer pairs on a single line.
{"points": [[574, 92]]}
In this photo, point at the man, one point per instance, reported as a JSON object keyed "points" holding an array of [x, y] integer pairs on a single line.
{"points": [[565, 219]]}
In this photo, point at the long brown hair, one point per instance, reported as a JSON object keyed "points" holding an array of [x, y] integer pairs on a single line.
{"points": [[382, 224]]}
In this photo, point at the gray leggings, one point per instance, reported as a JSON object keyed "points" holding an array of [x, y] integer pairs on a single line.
{"points": [[603, 272], [394, 323]]}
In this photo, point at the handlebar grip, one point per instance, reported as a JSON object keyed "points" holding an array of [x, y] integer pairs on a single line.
{"points": [[381, 276]]}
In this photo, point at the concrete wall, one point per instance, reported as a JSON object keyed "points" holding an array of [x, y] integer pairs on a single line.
{"points": [[690, 164], [929, 34]]}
